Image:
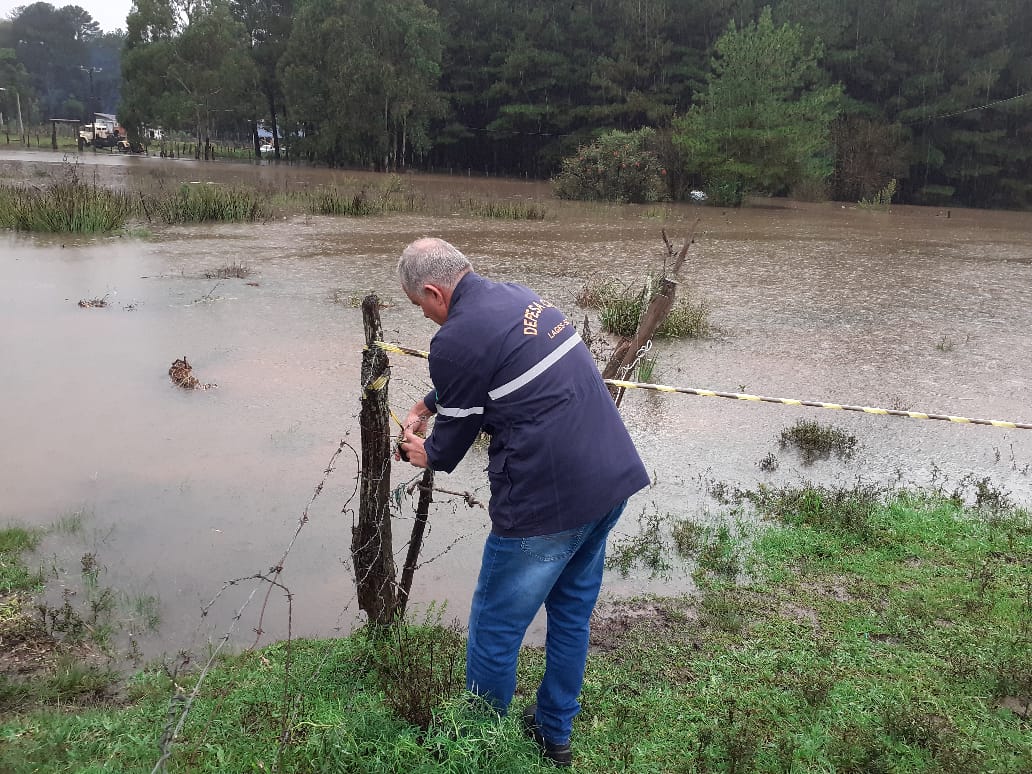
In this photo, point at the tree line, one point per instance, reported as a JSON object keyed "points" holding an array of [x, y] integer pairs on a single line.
{"points": [[57, 63], [817, 98]]}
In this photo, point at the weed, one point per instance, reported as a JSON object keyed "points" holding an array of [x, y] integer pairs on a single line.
{"points": [[646, 369], [14, 540], [230, 271], [145, 610], [94, 303], [333, 201], [689, 537], [730, 743], [849, 511], [595, 293], [720, 556], [647, 549], [418, 666], [880, 200], [769, 464], [817, 442]]}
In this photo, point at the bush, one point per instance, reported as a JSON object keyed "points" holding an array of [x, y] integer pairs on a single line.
{"points": [[725, 192], [617, 167]]}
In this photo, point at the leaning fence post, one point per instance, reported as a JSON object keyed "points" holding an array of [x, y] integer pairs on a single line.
{"points": [[627, 351], [626, 355], [371, 549], [426, 496]]}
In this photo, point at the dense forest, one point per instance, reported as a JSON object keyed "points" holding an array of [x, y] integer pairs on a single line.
{"points": [[815, 98]]}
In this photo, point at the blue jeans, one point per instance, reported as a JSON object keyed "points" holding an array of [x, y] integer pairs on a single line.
{"points": [[563, 571]]}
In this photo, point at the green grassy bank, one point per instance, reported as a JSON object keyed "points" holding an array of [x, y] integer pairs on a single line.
{"points": [[855, 631]]}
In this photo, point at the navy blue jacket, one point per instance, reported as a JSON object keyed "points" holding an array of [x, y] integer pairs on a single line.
{"points": [[511, 364]]}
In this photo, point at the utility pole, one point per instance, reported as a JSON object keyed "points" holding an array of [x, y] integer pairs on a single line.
{"points": [[93, 99]]}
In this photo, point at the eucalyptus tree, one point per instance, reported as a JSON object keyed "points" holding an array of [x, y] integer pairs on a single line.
{"points": [[762, 123], [362, 79]]}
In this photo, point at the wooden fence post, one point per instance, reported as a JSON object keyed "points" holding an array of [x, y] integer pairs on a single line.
{"points": [[371, 548]]}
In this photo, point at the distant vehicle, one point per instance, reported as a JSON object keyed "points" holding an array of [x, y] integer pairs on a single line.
{"points": [[98, 136], [270, 148]]}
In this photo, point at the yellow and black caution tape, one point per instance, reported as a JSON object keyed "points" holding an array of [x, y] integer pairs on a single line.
{"points": [[819, 404], [386, 347], [765, 399]]}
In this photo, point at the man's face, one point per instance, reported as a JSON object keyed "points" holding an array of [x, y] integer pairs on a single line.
{"points": [[433, 302]]}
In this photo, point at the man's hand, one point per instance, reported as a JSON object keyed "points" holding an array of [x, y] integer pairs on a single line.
{"points": [[416, 419], [412, 446]]}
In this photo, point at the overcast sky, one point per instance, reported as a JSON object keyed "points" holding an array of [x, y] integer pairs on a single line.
{"points": [[110, 14]]}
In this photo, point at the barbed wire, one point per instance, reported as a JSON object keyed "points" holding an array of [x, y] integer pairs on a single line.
{"points": [[179, 705]]}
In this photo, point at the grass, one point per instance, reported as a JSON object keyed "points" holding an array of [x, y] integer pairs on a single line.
{"points": [[897, 640], [70, 205], [14, 575]]}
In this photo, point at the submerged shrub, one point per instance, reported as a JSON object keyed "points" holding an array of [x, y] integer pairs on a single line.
{"points": [[818, 442], [620, 310], [617, 167]]}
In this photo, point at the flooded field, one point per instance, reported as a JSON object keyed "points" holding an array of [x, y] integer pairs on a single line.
{"points": [[179, 492]]}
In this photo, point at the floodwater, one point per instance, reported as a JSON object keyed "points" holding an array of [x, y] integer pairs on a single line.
{"points": [[177, 492]]}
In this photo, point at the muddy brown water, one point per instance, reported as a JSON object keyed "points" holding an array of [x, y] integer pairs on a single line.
{"points": [[180, 492]]}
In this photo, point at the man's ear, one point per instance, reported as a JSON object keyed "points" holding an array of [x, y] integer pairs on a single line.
{"points": [[435, 292]]}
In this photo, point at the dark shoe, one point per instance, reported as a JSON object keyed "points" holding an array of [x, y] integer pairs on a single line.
{"points": [[559, 754]]}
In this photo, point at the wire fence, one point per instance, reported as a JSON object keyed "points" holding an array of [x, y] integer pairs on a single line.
{"points": [[264, 583]]}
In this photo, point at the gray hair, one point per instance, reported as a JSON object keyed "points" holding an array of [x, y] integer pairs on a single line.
{"points": [[431, 261]]}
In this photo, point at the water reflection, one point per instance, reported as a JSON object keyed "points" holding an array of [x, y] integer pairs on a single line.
{"points": [[189, 489]]}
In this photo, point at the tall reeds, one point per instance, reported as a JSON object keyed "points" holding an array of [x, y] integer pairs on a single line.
{"points": [[69, 206], [506, 210], [193, 203]]}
